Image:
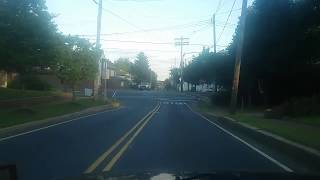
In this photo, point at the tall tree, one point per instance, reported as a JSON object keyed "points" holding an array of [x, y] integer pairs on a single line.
{"points": [[175, 75], [277, 53], [153, 80], [124, 64], [141, 69], [77, 61], [28, 35]]}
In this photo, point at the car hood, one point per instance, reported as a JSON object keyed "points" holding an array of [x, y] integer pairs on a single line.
{"points": [[193, 175]]}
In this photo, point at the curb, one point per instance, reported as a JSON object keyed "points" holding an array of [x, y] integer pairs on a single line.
{"points": [[277, 137], [20, 128], [303, 158]]}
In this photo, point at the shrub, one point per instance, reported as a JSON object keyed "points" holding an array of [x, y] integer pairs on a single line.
{"points": [[29, 82], [296, 107], [221, 98]]}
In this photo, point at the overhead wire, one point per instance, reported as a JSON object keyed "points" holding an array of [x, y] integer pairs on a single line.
{"points": [[118, 16], [156, 50], [226, 12], [219, 6], [224, 27], [192, 24], [148, 42]]}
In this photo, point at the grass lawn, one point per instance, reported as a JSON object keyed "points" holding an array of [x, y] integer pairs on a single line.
{"points": [[312, 120], [7, 94], [10, 117], [303, 133]]}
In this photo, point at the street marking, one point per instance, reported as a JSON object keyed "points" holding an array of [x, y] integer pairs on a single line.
{"points": [[53, 125], [286, 168], [125, 147], [101, 158]]}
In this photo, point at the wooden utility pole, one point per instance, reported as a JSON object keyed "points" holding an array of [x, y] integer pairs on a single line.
{"points": [[99, 24], [97, 81], [235, 86], [214, 33], [181, 42]]}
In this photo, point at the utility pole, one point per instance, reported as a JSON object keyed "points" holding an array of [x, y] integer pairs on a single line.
{"points": [[235, 86], [97, 81], [104, 77], [214, 33], [99, 24], [181, 42]]}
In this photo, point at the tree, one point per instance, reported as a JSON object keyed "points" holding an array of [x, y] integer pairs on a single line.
{"points": [[28, 35], [210, 67], [281, 56], [140, 69], [279, 51], [167, 84], [175, 76], [153, 80], [124, 64], [77, 61]]}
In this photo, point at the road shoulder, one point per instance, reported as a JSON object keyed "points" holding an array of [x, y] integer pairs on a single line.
{"points": [[300, 157], [34, 125]]}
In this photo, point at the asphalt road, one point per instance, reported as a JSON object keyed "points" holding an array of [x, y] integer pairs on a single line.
{"points": [[165, 136]]}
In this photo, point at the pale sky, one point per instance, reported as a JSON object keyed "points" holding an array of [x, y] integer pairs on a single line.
{"points": [[150, 26]]}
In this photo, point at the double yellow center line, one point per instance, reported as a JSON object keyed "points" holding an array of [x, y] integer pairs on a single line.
{"points": [[137, 128]]}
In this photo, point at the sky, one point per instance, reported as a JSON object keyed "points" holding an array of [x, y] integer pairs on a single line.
{"points": [[149, 26]]}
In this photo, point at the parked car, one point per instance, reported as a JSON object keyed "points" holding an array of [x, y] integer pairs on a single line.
{"points": [[144, 86], [207, 89]]}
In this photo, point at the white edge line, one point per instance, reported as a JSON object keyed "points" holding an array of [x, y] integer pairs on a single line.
{"points": [[52, 125], [244, 142]]}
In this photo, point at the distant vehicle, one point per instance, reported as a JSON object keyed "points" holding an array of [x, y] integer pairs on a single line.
{"points": [[144, 86], [222, 89], [207, 89]]}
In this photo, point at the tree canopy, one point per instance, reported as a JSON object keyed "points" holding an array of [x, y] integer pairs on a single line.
{"points": [[77, 60], [280, 55], [124, 64], [141, 69], [28, 35]]}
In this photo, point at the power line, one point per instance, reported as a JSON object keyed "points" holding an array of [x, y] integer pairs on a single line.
{"points": [[234, 2], [146, 50], [123, 19], [226, 12], [219, 6], [118, 16], [157, 43], [228, 24], [148, 42], [229, 27], [199, 30], [192, 24]]}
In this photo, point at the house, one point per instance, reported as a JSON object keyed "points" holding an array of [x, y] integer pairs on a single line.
{"points": [[6, 77], [118, 78], [160, 85]]}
